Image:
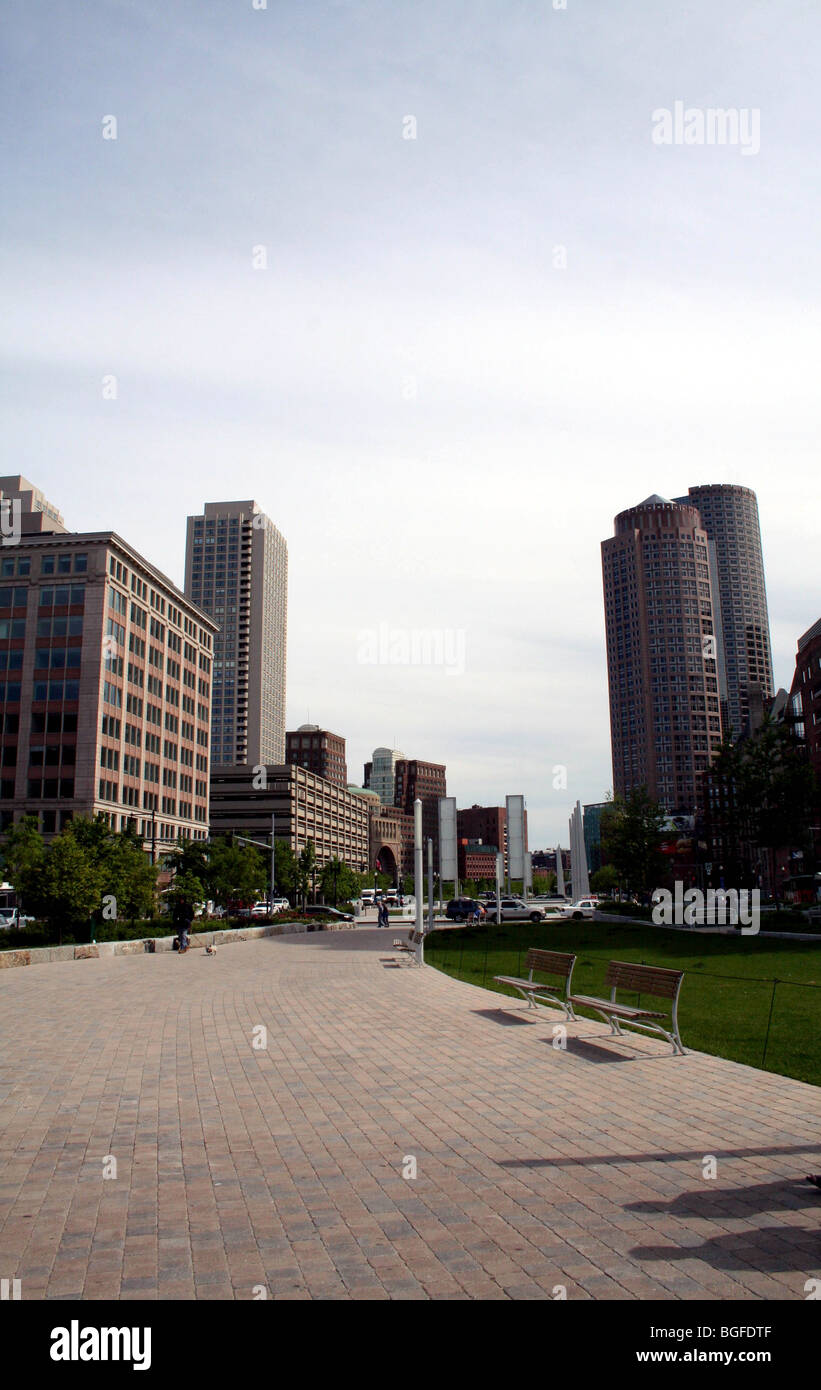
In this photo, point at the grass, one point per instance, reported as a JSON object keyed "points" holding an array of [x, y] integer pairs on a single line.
{"points": [[726, 997]]}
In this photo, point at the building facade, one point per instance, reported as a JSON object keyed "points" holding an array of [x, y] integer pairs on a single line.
{"points": [[487, 824], [477, 861], [380, 774], [236, 570], [306, 807], [729, 515], [663, 677], [319, 750], [427, 782], [105, 689]]}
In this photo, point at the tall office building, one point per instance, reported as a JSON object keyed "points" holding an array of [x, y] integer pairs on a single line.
{"points": [[105, 687], [380, 774], [663, 673], [236, 569], [729, 515]]}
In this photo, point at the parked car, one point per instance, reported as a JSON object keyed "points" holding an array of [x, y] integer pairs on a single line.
{"points": [[315, 910], [460, 909], [516, 910], [13, 917], [585, 907]]}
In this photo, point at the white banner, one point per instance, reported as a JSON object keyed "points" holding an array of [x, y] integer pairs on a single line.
{"points": [[448, 861], [515, 807]]}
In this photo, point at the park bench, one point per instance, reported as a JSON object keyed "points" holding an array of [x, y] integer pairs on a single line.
{"points": [[641, 979], [409, 947], [554, 963]]}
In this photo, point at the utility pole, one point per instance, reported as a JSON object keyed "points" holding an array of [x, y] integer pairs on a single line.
{"points": [[273, 858], [430, 884]]}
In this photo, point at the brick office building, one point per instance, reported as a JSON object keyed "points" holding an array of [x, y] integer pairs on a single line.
{"points": [[427, 781], [319, 750], [105, 687], [485, 823]]}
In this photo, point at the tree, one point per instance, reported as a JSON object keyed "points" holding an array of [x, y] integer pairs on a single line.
{"points": [[338, 882], [285, 868], [186, 891], [133, 877], [72, 885], [631, 834], [23, 853], [189, 857], [236, 874], [544, 883], [605, 880], [306, 864]]}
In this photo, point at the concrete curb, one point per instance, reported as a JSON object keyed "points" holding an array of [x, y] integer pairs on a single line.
{"points": [[153, 945]]}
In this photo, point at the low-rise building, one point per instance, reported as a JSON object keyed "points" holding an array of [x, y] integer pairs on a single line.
{"points": [[305, 806]]}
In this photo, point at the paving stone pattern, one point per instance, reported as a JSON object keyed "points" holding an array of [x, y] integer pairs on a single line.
{"points": [[241, 1169]]}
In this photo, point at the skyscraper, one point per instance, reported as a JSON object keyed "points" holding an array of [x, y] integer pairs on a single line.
{"points": [[380, 774], [662, 670], [236, 569], [729, 515]]}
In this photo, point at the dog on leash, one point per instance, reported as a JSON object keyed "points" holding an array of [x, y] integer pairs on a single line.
{"points": [[210, 950]]}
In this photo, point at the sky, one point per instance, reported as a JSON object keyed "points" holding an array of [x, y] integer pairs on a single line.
{"points": [[420, 281]]}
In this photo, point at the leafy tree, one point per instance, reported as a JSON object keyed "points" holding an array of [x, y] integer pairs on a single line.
{"points": [[544, 883], [133, 877], [23, 853], [71, 884], [186, 891], [306, 864], [338, 882], [765, 791], [189, 857], [605, 880], [631, 833], [236, 874], [285, 868]]}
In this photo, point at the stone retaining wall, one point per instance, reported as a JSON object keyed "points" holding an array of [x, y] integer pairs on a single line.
{"points": [[46, 955]]}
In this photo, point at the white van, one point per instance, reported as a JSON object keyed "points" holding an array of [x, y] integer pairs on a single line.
{"points": [[367, 897]]}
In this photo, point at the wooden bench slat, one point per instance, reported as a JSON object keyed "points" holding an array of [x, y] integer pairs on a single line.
{"points": [[623, 1010], [643, 979]]}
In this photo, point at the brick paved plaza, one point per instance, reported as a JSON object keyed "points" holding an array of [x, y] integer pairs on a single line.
{"points": [[239, 1167]]}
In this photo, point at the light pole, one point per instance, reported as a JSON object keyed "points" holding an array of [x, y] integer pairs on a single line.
{"points": [[418, 884], [273, 858]]}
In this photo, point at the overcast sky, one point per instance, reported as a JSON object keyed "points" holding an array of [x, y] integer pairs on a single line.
{"points": [[469, 350]]}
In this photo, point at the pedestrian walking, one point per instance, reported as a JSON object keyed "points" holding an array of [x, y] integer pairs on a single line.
{"points": [[182, 921]]}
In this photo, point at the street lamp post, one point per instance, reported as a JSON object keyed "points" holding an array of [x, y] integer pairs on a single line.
{"points": [[418, 878]]}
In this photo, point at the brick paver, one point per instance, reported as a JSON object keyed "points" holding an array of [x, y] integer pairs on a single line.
{"points": [[241, 1169]]}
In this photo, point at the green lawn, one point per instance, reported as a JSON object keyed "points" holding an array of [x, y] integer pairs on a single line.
{"points": [[726, 996]]}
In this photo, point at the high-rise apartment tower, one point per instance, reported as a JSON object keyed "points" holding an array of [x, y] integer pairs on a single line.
{"points": [[236, 569], [661, 652]]}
